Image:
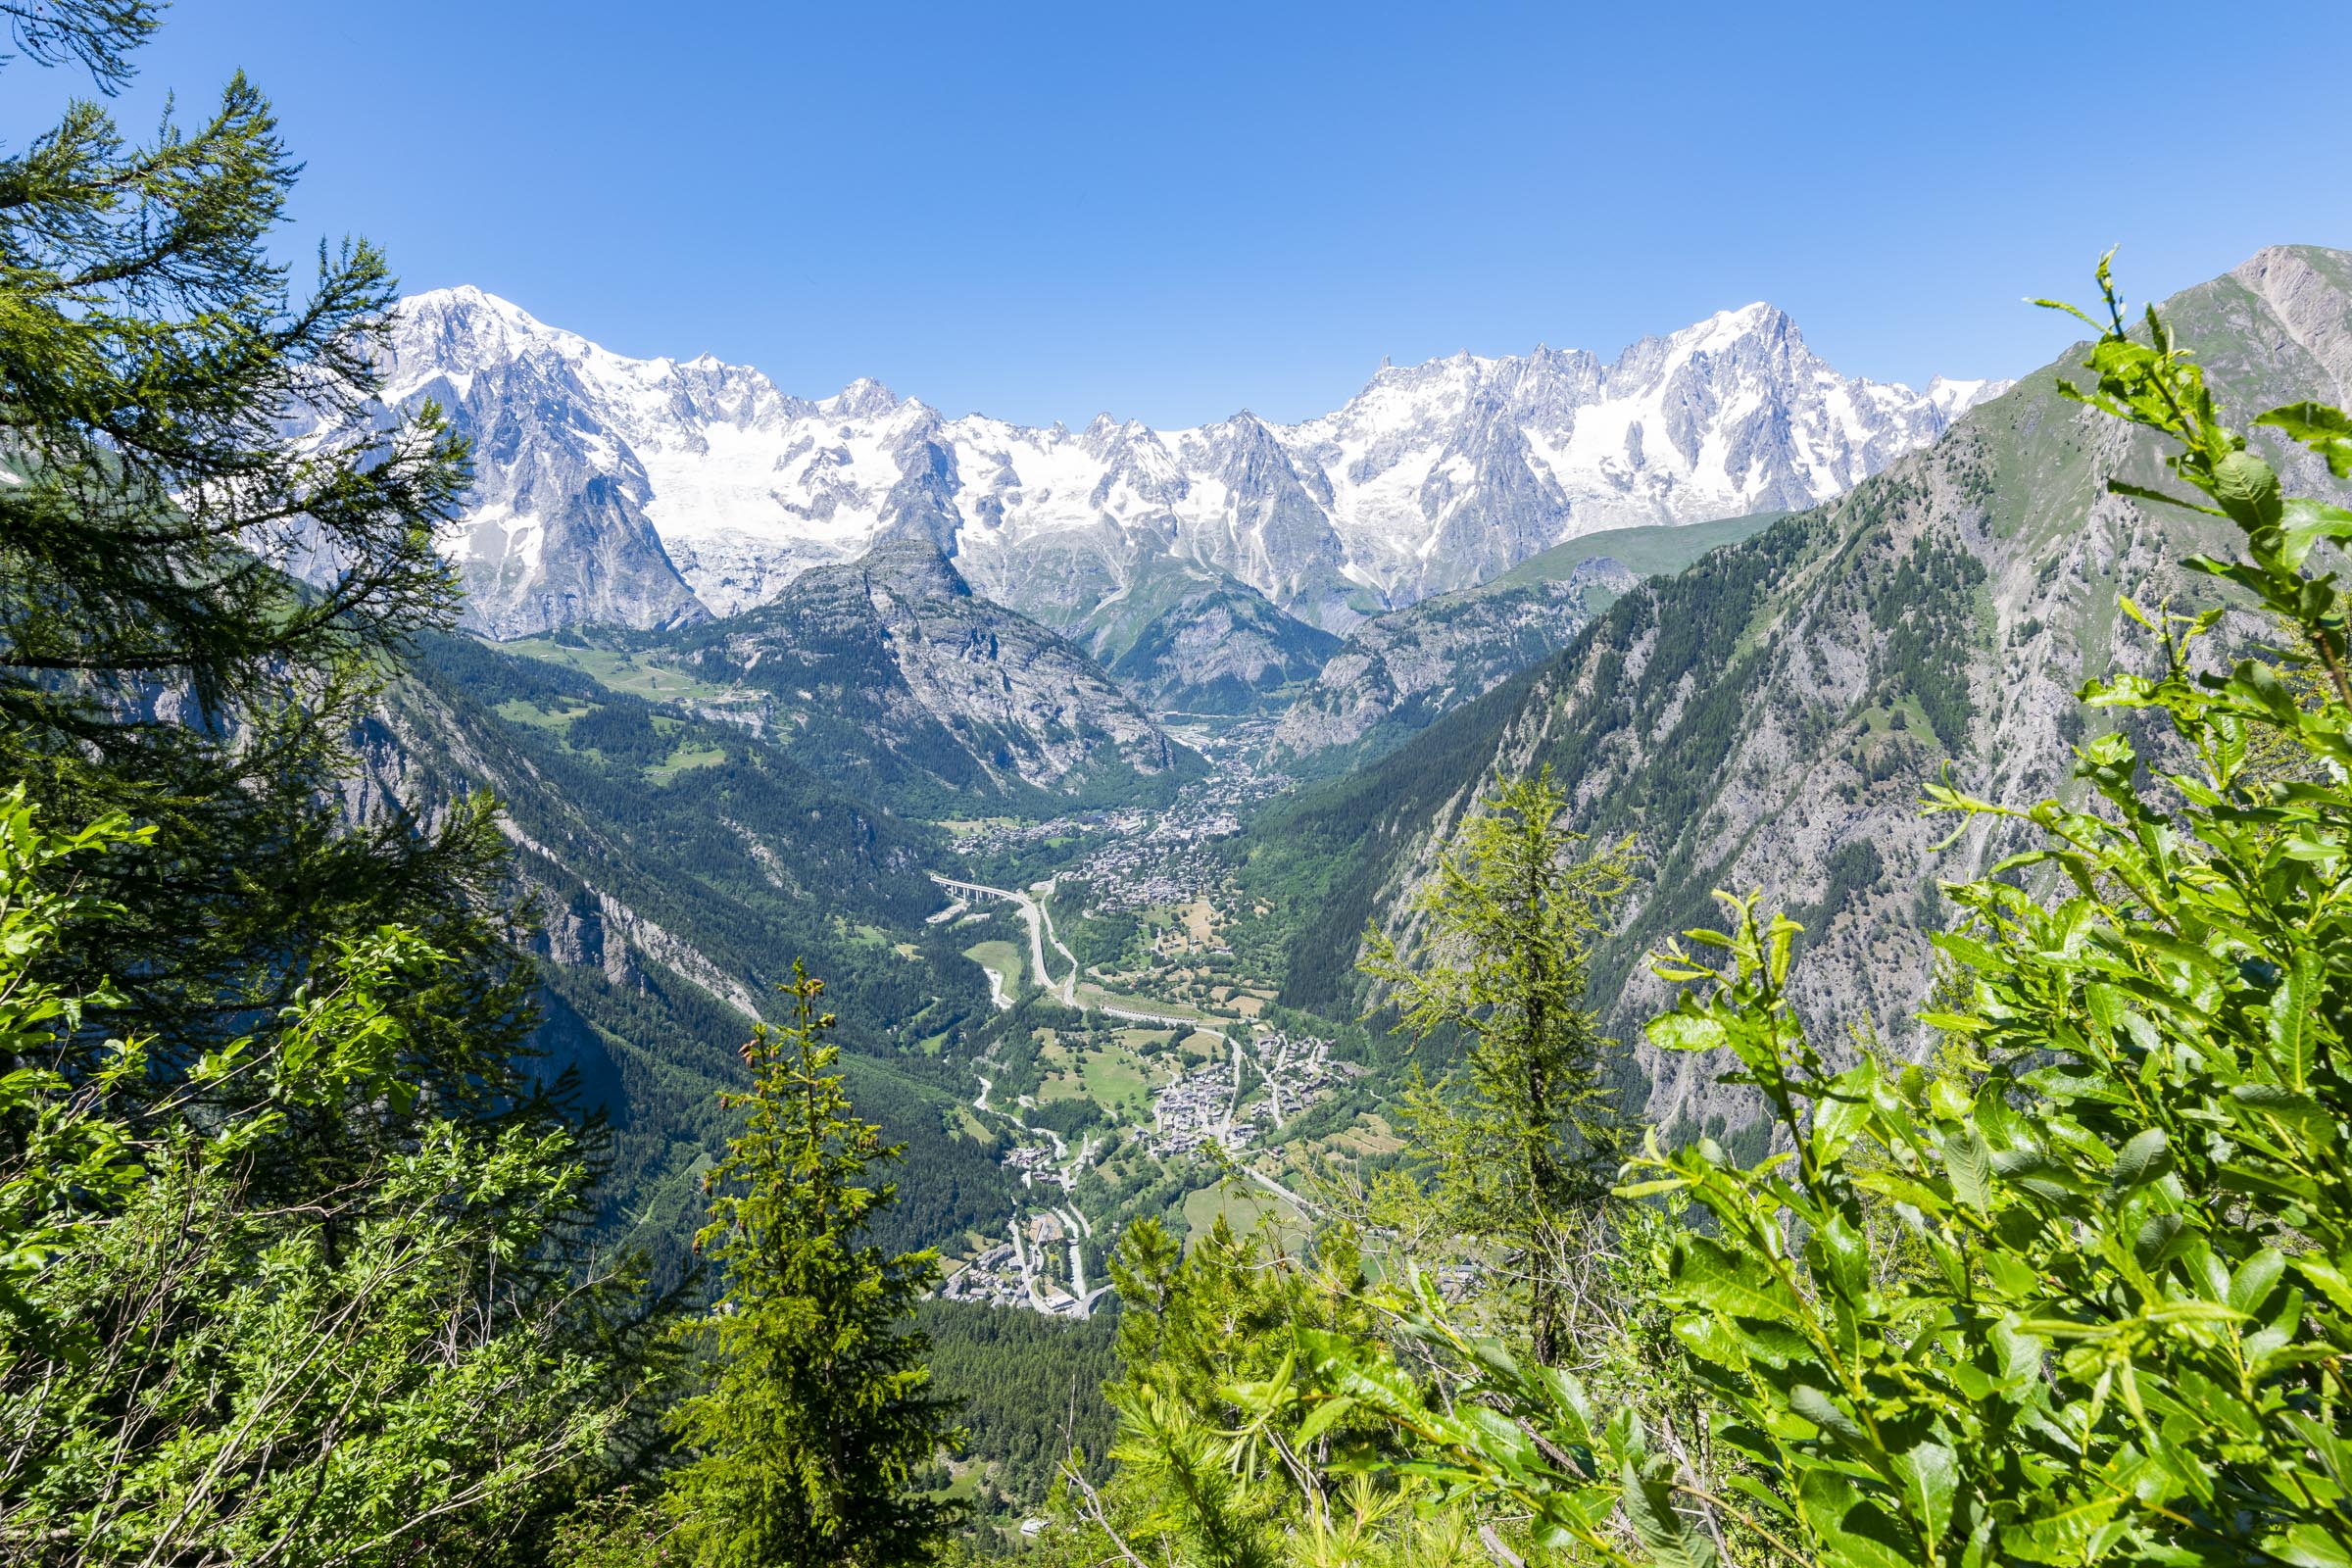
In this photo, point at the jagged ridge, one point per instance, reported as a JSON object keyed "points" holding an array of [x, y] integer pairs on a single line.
{"points": [[1770, 718], [1433, 477]]}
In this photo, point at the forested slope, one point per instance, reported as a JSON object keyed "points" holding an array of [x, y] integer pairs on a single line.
{"points": [[675, 868]]}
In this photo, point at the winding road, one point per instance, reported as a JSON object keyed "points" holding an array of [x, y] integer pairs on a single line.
{"points": [[1076, 1226], [1041, 929], [1040, 921]]}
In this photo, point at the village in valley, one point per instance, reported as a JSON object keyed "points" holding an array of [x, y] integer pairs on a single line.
{"points": [[1207, 1123], [1160, 1082]]}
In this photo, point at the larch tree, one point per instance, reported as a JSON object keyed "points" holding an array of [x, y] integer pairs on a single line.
{"points": [[1524, 1144], [213, 549], [311, 1287]]}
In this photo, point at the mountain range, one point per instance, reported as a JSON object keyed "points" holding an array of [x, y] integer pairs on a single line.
{"points": [[1769, 719], [656, 493]]}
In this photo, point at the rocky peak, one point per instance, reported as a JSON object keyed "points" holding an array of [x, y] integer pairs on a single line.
{"points": [[913, 569], [1434, 476], [862, 399]]}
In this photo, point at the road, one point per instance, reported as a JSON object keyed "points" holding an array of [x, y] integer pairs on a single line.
{"points": [[1069, 983], [1076, 1226], [1040, 927], [1202, 1025], [1276, 1188], [1040, 921]]}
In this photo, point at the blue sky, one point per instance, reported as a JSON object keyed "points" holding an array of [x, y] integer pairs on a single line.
{"points": [[1043, 211]]}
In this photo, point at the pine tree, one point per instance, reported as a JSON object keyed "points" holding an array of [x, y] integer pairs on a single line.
{"points": [[1531, 1145], [818, 1412]]}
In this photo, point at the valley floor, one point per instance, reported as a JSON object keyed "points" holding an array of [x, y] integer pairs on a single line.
{"points": [[1150, 1079]]}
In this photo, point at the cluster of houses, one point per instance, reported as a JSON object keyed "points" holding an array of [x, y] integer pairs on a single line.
{"points": [[993, 838], [1034, 1275], [1035, 1163], [994, 1277], [1215, 1105], [1195, 1109]]}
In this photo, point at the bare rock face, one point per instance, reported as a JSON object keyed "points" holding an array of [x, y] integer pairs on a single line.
{"points": [[555, 531], [1395, 676], [718, 490]]}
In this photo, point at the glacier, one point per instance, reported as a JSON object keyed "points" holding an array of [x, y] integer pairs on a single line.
{"points": [[656, 492]]}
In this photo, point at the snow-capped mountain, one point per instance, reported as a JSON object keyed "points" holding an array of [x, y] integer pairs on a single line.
{"points": [[651, 492]]}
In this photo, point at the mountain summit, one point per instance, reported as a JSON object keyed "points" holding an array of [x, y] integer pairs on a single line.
{"points": [[649, 492]]}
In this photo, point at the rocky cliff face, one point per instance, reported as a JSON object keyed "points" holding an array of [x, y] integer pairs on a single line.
{"points": [[555, 530], [721, 489], [888, 672], [1770, 718], [669, 904]]}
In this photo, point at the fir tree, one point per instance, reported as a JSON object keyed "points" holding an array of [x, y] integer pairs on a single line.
{"points": [[820, 1415]]}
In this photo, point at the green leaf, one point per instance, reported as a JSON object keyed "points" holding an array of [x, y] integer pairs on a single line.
{"points": [[1843, 1256], [1321, 1418], [1932, 1476], [1721, 1281], [1667, 1536], [2296, 1111], [2326, 430], [2217, 1405], [2329, 1280], [2304, 523], [1750, 1487], [1969, 1164], [2161, 1238], [2310, 1546], [1685, 1031], [1824, 1412], [1667, 1184], [2292, 1028], [2254, 1280], [2147, 1157], [1706, 1338], [1856, 1531], [1843, 1112], [2140, 492]]}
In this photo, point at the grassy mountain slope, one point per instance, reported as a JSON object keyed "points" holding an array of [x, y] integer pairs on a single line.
{"points": [[1660, 547], [1769, 717]]}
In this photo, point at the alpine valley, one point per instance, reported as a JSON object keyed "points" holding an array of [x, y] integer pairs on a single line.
{"points": [[1663, 957], [1079, 762], [731, 647]]}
